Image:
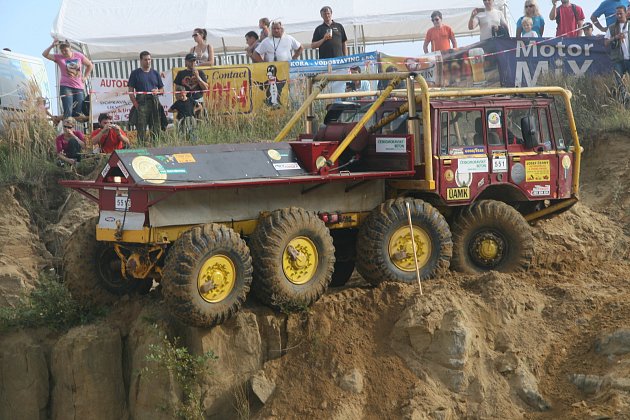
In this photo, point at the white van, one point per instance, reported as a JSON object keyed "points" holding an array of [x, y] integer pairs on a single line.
{"points": [[15, 71]]}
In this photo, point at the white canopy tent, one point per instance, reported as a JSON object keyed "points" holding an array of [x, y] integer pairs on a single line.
{"points": [[120, 29]]}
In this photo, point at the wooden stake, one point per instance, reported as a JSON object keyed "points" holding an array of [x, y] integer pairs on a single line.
{"points": [[413, 244]]}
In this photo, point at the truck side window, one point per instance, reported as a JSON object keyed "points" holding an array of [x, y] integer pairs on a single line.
{"points": [[513, 122], [494, 126], [545, 133], [398, 126], [561, 142], [444, 133]]}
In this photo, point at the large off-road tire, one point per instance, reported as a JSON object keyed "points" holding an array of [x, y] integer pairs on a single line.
{"points": [[91, 268], [491, 235], [207, 275], [293, 256], [385, 249], [345, 243]]}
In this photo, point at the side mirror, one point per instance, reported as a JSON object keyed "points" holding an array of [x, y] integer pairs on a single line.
{"points": [[531, 136]]}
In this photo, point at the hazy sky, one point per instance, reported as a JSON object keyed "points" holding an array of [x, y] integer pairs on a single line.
{"points": [[25, 27]]}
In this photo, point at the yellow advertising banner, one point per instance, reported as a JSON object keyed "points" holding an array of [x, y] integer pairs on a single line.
{"points": [[244, 88]]}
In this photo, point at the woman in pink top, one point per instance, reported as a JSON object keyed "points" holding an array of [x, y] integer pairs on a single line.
{"points": [[72, 80]]}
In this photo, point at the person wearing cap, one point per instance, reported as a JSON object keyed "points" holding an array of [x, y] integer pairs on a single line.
{"points": [[192, 79], [74, 70], [69, 143], [330, 37], [109, 137], [144, 85]]}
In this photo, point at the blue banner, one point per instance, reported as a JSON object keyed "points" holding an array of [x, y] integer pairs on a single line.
{"points": [[324, 65], [523, 61]]}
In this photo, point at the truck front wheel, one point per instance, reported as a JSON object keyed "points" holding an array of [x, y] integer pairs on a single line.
{"points": [[207, 275], [491, 235], [385, 249], [293, 256]]}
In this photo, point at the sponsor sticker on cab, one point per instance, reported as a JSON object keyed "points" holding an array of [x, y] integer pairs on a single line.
{"points": [[458, 193], [391, 145]]}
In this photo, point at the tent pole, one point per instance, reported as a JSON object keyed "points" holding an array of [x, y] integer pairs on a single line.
{"points": [[363, 37], [224, 50], [355, 43]]}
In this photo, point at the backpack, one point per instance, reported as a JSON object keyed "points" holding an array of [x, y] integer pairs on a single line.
{"points": [[500, 32], [574, 14]]}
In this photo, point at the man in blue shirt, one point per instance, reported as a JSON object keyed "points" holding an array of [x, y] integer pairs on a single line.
{"points": [[145, 84], [607, 8]]}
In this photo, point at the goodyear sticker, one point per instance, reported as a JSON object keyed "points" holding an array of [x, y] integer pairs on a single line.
{"points": [[184, 158], [458, 193], [537, 170], [474, 150]]}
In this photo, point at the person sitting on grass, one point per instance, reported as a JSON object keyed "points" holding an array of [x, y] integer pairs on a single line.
{"points": [[69, 143], [186, 108], [109, 137]]}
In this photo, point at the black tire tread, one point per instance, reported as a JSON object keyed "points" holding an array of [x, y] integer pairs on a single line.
{"points": [[495, 215], [80, 273], [267, 244], [373, 261], [179, 280]]}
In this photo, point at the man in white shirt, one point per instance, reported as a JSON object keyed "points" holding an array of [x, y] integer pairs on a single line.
{"points": [[277, 47], [488, 19], [617, 39]]}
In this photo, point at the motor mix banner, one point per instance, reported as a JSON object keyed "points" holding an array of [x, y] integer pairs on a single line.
{"points": [[529, 59]]}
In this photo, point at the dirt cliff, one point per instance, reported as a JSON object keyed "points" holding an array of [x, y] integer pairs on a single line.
{"points": [[550, 343]]}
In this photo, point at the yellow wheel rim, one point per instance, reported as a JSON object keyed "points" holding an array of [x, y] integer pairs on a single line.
{"points": [[401, 248], [488, 249], [299, 260], [216, 278]]}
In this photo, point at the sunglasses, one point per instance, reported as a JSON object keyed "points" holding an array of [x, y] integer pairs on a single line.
{"points": [[529, 5], [68, 126], [194, 35], [435, 19]]}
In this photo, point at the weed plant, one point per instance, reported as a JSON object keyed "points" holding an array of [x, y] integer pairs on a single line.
{"points": [[26, 141], [48, 305], [188, 371], [596, 104]]}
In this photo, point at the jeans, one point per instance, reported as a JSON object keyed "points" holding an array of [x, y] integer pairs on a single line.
{"points": [[71, 101], [620, 68]]}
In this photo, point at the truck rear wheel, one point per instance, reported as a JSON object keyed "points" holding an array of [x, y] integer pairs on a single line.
{"points": [[491, 235], [207, 275], [293, 256], [385, 249], [92, 271]]}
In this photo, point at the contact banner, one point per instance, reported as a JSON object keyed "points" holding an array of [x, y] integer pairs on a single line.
{"points": [[240, 89]]}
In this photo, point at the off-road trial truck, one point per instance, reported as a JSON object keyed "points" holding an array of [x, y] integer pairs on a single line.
{"points": [[470, 166]]}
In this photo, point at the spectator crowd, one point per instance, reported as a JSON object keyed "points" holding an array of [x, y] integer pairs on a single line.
{"points": [[272, 44]]}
